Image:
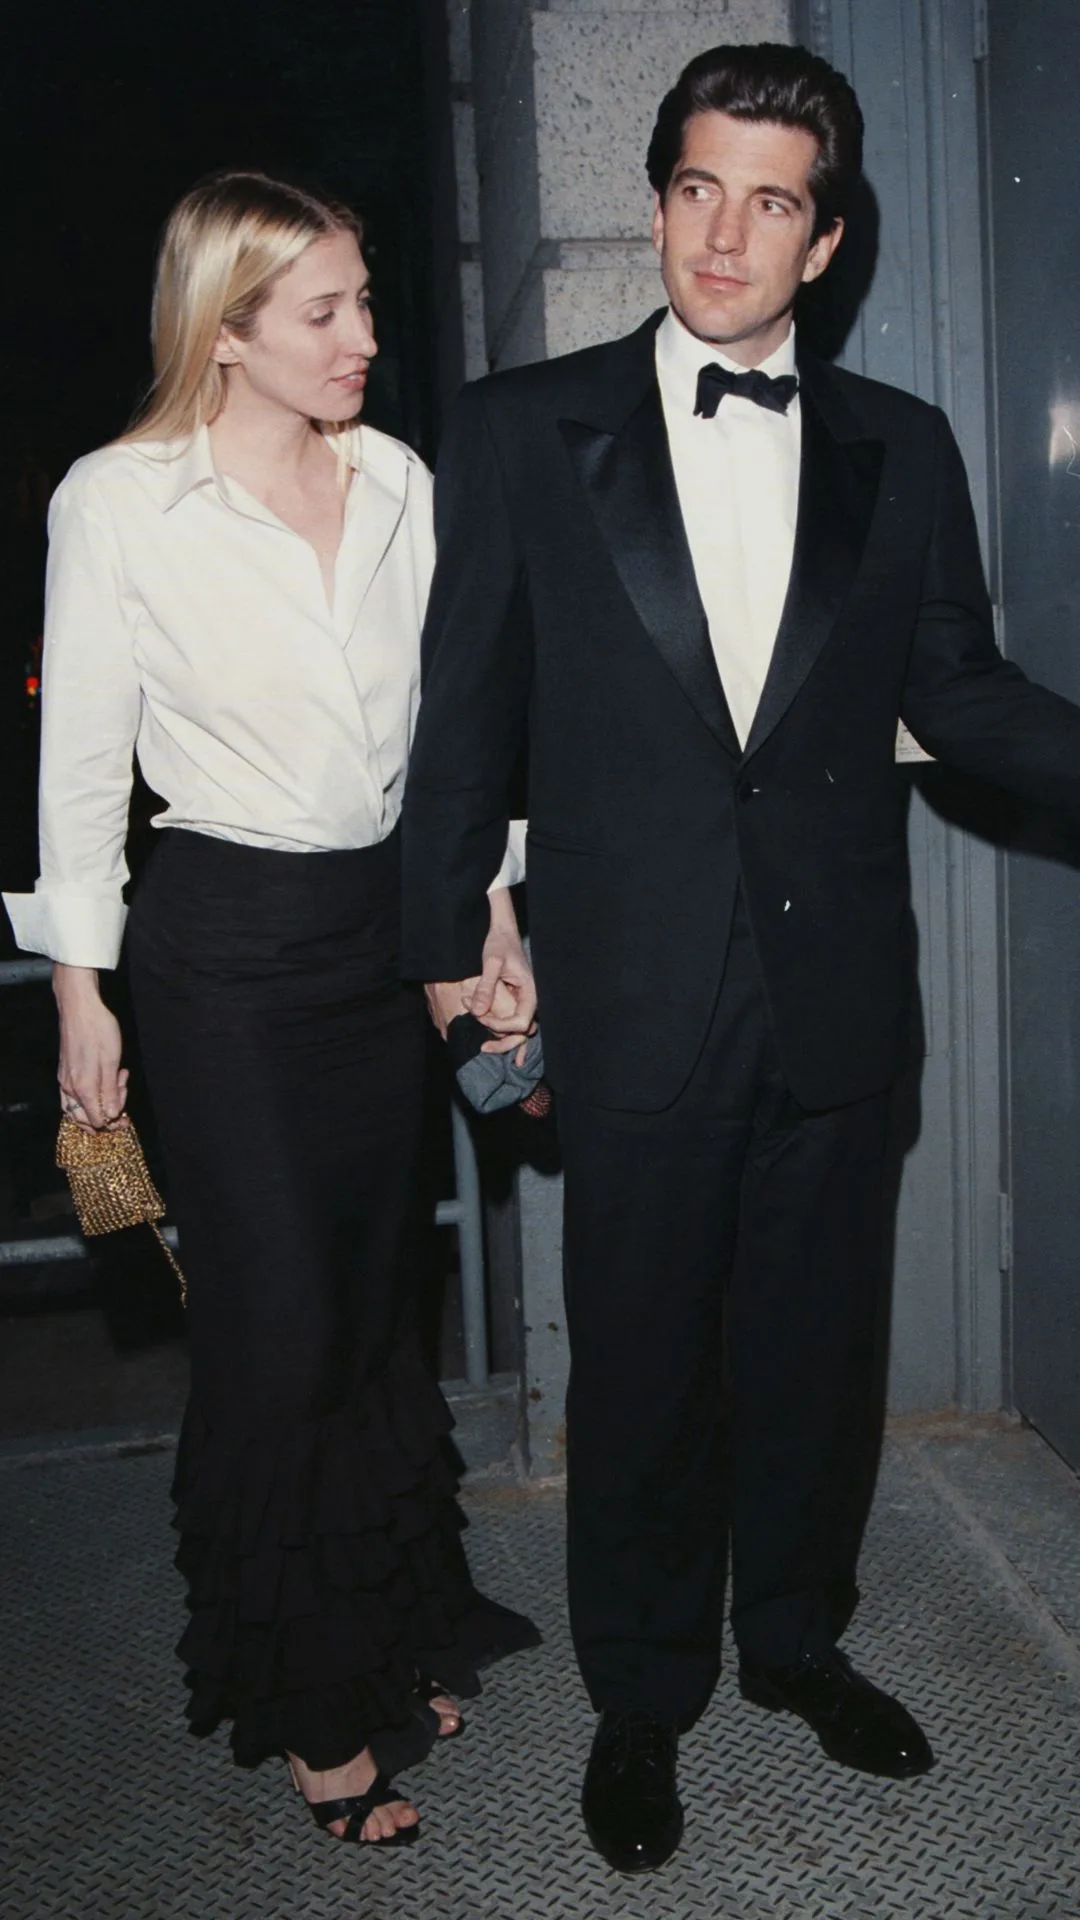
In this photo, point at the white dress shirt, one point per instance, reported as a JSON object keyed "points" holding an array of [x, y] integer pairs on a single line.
{"points": [[186, 623], [737, 478]]}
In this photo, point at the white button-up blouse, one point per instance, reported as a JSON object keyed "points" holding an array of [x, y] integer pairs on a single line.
{"points": [[188, 624]]}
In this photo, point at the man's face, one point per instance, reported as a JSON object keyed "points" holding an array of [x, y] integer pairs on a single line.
{"points": [[734, 232]]}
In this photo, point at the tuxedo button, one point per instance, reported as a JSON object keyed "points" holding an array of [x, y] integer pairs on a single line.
{"points": [[746, 791]]}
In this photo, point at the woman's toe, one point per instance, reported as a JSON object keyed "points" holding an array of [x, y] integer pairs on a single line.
{"points": [[448, 1711], [383, 1822]]}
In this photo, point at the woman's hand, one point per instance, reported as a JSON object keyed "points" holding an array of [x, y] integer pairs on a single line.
{"points": [[93, 1084]]}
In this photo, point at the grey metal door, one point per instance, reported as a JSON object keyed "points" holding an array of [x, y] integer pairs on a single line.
{"points": [[920, 325], [1033, 71]]}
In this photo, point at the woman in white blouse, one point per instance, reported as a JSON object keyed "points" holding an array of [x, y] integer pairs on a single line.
{"points": [[235, 593]]}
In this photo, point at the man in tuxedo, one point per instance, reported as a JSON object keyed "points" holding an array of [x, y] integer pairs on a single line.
{"points": [[700, 576]]}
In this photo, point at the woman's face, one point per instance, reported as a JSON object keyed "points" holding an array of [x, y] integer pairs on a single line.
{"points": [[313, 339]]}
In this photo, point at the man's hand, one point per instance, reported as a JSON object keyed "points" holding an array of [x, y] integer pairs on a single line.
{"points": [[503, 995]]}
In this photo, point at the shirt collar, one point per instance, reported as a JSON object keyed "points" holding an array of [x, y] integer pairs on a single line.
{"points": [[193, 465], [680, 356]]}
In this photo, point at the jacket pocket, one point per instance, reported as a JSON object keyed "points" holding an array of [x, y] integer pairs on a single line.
{"points": [[558, 842]]}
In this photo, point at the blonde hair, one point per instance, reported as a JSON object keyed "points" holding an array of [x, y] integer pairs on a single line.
{"points": [[225, 244]]}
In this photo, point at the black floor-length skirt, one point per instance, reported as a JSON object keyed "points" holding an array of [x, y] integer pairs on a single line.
{"points": [[319, 1531]]}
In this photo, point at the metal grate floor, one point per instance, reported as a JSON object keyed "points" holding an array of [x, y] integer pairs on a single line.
{"points": [[110, 1811]]}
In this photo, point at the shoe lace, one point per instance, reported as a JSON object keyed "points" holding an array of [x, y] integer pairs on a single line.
{"points": [[639, 1736], [823, 1673]]}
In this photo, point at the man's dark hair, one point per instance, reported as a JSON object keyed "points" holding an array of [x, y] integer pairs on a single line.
{"points": [[785, 85]]}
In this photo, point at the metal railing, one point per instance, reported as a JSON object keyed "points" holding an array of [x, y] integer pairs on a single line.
{"points": [[463, 1212], [16, 973]]}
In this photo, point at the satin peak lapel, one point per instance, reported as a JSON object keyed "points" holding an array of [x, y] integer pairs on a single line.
{"points": [[628, 479], [838, 486]]}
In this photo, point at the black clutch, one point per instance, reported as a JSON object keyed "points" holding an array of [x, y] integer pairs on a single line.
{"points": [[491, 1081]]}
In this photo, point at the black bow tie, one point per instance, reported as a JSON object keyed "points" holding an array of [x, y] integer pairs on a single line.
{"points": [[714, 381]]}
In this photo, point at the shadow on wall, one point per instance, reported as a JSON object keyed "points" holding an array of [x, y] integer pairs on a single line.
{"points": [[828, 308]]}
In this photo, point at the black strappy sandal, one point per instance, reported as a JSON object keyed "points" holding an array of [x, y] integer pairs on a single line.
{"points": [[354, 1809], [428, 1690]]}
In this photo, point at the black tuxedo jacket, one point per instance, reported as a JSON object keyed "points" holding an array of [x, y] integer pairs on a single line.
{"points": [[565, 615]]}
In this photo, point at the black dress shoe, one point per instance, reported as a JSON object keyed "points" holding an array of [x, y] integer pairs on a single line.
{"points": [[856, 1723], [632, 1812]]}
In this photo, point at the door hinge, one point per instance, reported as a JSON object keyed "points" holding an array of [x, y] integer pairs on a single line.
{"points": [[980, 26], [1005, 1232]]}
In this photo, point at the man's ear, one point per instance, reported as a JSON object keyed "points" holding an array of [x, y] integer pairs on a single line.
{"points": [[658, 223], [822, 251]]}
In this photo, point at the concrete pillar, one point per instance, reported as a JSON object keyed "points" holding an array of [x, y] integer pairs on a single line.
{"points": [[457, 295], [468, 209]]}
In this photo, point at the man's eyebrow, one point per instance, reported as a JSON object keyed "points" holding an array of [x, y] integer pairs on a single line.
{"points": [[782, 193], [713, 180]]}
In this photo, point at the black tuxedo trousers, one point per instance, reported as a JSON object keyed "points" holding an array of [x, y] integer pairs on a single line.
{"points": [[723, 1287]]}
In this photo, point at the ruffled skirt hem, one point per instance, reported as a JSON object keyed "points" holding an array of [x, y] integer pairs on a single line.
{"points": [[325, 1571]]}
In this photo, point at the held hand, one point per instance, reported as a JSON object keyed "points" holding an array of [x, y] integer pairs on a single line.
{"points": [[445, 1000], [504, 997], [504, 1010], [93, 1084]]}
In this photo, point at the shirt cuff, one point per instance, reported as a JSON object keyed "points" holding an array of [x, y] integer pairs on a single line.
{"points": [[512, 871], [75, 925]]}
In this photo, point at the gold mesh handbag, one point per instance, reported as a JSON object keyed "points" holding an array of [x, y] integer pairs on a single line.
{"points": [[110, 1183]]}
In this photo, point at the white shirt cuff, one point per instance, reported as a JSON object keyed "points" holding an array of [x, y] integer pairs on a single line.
{"points": [[78, 926], [512, 871]]}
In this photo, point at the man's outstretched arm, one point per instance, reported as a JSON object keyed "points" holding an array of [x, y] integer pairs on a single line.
{"points": [[962, 701]]}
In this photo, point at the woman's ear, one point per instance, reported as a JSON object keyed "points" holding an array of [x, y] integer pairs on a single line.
{"points": [[225, 353]]}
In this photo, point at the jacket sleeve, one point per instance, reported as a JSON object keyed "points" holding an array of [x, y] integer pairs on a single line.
{"points": [[962, 701], [477, 664]]}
